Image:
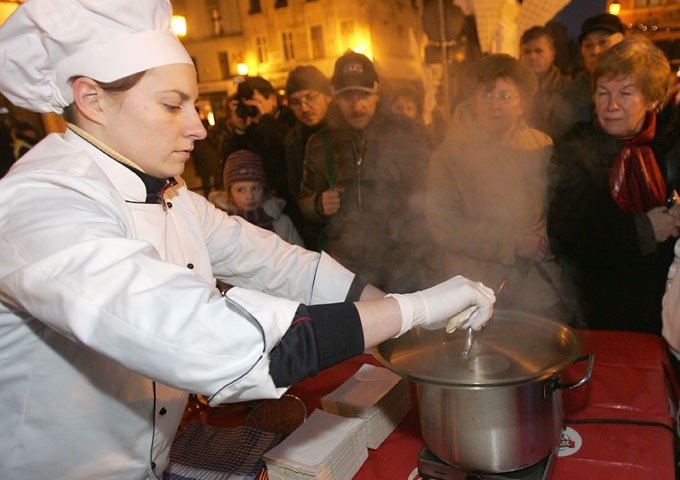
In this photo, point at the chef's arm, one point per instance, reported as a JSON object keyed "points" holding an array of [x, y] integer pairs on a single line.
{"points": [[321, 336], [370, 292]]}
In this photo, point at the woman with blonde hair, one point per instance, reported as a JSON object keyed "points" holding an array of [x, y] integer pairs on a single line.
{"points": [[613, 217]]}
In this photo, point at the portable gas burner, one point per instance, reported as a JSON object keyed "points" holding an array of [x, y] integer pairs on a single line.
{"points": [[432, 468]]}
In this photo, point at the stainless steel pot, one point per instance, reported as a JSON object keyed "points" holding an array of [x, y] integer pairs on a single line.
{"points": [[499, 409]]}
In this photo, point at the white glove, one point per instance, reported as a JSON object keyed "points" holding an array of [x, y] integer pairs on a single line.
{"points": [[435, 307]]}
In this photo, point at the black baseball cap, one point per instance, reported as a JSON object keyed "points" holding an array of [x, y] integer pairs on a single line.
{"points": [[354, 71], [604, 21]]}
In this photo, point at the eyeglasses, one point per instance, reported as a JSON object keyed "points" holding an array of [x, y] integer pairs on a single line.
{"points": [[503, 97], [307, 99]]}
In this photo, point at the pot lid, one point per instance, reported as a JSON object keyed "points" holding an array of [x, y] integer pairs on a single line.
{"points": [[512, 348]]}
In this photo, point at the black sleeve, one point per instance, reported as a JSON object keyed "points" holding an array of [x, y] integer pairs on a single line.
{"points": [[355, 289], [319, 337]]}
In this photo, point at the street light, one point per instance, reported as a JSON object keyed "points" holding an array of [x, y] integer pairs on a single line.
{"points": [[615, 7], [178, 24], [242, 69]]}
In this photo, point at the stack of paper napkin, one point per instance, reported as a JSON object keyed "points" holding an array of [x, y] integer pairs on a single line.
{"points": [[375, 394], [325, 447]]}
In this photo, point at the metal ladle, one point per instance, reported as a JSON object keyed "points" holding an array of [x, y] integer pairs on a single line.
{"points": [[469, 339]]}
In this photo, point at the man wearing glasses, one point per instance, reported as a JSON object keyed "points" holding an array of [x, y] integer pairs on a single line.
{"points": [[309, 96]]}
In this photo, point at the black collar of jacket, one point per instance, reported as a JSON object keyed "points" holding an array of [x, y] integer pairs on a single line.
{"points": [[155, 187]]}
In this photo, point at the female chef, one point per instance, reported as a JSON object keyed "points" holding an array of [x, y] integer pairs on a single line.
{"points": [[109, 311]]}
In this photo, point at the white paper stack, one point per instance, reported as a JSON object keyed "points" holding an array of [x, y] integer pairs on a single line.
{"points": [[375, 394], [325, 447]]}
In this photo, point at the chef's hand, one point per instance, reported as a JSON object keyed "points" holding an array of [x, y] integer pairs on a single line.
{"points": [[330, 201], [434, 307], [665, 222]]}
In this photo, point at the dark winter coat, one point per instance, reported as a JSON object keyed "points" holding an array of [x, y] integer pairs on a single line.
{"points": [[382, 170], [618, 268]]}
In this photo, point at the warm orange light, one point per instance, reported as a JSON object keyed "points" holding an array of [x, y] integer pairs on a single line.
{"points": [[6, 9], [242, 69], [360, 47], [179, 25], [615, 8]]}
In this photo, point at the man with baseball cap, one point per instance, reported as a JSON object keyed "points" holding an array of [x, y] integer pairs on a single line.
{"points": [[361, 172], [598, 33]]}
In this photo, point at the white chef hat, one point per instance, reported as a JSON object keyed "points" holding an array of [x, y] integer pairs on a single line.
{"points": [[45, 43]]}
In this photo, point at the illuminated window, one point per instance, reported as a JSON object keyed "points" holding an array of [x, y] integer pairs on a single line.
{"points": [[318, 46], [288, 50], [223, 59], [216, 21], [261, 47]]}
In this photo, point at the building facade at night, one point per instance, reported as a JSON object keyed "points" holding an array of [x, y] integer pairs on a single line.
{"points": [[658, 19], [271, 37]]}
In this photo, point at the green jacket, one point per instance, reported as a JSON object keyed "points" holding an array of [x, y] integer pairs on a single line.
{"points": [[381, 169]]}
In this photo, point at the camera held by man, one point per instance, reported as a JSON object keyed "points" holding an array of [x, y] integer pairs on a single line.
{"points": [[256, 97]]}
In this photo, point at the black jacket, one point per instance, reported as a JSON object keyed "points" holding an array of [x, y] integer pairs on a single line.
{"points": [[618, 269]]}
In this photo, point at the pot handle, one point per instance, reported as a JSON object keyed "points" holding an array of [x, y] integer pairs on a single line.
{"points": [[589, 371]]}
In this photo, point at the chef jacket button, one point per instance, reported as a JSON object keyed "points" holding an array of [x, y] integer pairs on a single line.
{"points": [[190, 266], [162, 411], [153, 465], [169, 204]]}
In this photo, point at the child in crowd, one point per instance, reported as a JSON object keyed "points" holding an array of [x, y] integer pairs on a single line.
{"points": [[245, 196]]}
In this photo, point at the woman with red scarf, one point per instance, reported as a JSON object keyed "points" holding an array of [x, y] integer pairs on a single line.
{"points": [[612, 217]]}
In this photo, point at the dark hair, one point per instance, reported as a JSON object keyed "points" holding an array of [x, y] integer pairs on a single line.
{"points": [[412, 94], [117, 86], [638, 58], [247, 87], [485, 71], [537, 32]]}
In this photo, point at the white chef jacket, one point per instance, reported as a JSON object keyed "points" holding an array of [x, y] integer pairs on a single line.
{"points": [[109, 313]]}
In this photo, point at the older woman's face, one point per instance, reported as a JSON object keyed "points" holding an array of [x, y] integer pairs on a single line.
{"points": [[498, 107], [155, 123], [620, 105]]}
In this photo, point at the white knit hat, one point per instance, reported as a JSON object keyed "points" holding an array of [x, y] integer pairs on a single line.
{"points": [[45, 43]]}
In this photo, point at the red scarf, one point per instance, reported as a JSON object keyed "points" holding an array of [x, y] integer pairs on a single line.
{"points": [[635, 181]]}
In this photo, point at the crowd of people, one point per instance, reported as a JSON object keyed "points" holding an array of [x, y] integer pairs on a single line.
{"points": [[336, 210], [507, 195]]}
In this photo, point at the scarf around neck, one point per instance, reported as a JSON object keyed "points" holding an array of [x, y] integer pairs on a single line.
{"points": [[635, 181]]}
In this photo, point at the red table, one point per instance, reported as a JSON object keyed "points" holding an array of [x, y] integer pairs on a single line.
{"points": [[628, 410]]}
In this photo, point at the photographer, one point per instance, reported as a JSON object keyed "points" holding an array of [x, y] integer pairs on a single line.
{"points": [[257, 104]]}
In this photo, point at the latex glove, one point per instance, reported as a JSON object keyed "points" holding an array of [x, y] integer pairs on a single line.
{"points": [[433, 308]]}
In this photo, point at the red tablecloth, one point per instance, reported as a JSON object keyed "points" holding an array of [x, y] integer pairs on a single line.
{"points": [[624, 416]]}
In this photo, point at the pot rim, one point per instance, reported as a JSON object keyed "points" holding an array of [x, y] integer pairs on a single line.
{"points": [[391, 353]]}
